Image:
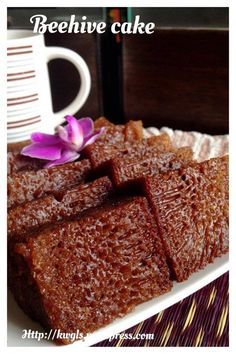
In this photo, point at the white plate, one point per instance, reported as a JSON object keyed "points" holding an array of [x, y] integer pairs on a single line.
{"points": [[17, 320]]}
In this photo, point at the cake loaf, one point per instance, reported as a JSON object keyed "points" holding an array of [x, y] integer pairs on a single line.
{"points": [[151, 162], [191, 209], [49, 210], [83, 274], [29, 185]]}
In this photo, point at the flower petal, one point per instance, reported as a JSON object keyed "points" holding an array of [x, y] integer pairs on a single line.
{"points": [[87, 126], [66, 156], [75, 132], [42, 151], [64, 146], [63, 133], [92, 138], [43, 138]]}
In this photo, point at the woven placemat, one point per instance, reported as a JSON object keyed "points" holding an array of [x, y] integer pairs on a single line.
{"points": [[202, 318], [199, 320]]}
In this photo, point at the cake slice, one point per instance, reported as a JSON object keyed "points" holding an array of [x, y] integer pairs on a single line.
{"points": [[19, 163], [48, 210], [131, 168], [114, 137], [102, 122], [133, 130], [84, 274], [29, 185], [100, 155], [191, 209]]}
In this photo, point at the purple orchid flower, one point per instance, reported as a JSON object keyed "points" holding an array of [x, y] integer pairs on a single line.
{"points": [[66, 144]]}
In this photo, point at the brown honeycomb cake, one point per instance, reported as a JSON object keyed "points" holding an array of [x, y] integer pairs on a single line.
{"points": [[84, 274], [114, 136], [150, 162], [191, 208], [102, 122], [18, 163], [49, 210], [119, 133], [101, 155], [29, 185], [133, 130]]}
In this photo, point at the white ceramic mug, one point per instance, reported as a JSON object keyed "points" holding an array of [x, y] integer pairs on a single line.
{"points": [[29, 102]]}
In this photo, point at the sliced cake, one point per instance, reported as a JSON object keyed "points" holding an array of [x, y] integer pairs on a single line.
{"points": [[191, 208], [101, 155], [18, 163], [29, 185], [49, 210], [84, 274], [132, 167], [114, 137]]}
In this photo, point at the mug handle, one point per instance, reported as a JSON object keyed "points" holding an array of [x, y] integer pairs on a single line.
{"points": [[85, 79]]}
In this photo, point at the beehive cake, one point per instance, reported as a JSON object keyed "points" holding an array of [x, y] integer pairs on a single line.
{"points": [[102, 122], [132, 167], [100, 155], [83, 274], [49, 210], [113, 138], [29, 185], [191, 209], [19, 163], [81, 256], [131, 131]]}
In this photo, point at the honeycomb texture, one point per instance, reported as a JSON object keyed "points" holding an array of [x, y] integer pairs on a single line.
{"points": [[102, 122], [29, 185], [86, 273], [149, 162], [101, 155], [48, 210], [191, 208], [19, 163], [111, 140]]}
